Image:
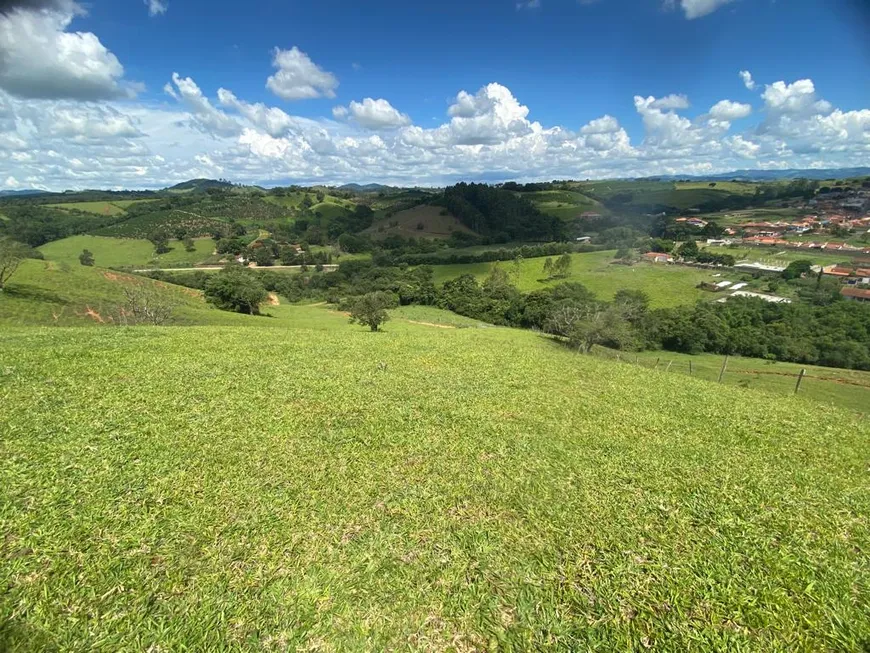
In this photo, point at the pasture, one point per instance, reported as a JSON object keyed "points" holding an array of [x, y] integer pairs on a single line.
{"points": [[564, 204], [48, 293], [125, 252], [848, 389], [666, 285], [321, 487], [115, 207], [424, 220]]}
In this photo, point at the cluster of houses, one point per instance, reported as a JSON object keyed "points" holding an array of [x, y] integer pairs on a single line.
{"points": [[775, 233], [856, 281], [692, 222]]}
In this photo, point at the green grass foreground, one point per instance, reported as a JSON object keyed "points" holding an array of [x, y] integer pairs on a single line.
{"points": [[315, 486]]}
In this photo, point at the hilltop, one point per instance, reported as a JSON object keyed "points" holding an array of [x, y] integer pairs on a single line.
{"points": [[200, 185]]}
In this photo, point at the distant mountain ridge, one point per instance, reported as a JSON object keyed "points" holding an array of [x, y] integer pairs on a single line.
{"points": [[769, 175], [366, 188], [21, 193], [201, 184]]}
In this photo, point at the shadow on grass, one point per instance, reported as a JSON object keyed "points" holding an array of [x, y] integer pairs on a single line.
{"points": [[15, 637], [33, 293]]}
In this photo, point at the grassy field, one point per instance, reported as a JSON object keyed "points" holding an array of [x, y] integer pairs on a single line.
{"points": [[564, 204], [666, 285], [782, 257], [52, 293], [319, 487], [406, 224], [99, 208], [120, 252], [848, 389]]}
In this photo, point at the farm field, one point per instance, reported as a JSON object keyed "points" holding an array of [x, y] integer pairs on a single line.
{"points": [[141, 226], [422, 488], [123, 252], [782, 257], [564, 204], [848, 389], [407, 222], [666, 285], [99, 208]]}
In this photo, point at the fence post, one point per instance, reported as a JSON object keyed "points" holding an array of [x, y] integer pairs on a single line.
{"points": [[800, 378], [690, 368], [724, 367], [657, 363]]}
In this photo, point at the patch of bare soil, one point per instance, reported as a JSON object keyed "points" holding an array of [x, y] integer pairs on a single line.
{"points": [[432, 324]]}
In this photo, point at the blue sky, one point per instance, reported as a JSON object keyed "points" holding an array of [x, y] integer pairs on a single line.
{"points": [[561, 88]]}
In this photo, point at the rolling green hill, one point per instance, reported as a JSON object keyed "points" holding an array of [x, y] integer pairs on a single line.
{"points": [[60, 294], [420, 221], [326, 488], [564, 204], [100, 207], [141, 226], [124, 252]]}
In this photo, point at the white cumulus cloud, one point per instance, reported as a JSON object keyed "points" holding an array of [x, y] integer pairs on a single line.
{"points": [[39, 58], [299, 78], [728, 111], [373, 114]]}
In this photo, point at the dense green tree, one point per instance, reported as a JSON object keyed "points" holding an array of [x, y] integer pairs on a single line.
{"points": [[235, 289], [371, 309], [689, 249], [188, 243], [587, 325], [160, 239], [263, 256], [86, 257]]}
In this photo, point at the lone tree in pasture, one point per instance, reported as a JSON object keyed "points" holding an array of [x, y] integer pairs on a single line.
{"points": [[548, 267], [86, 257], [188, 244], [561, 267], [371, 310], [160, 241], [235, 289], [145, 305], [12, 253]]}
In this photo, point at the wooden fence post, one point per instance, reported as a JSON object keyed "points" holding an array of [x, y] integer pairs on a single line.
{"points": [[800, 378], [690, 368], [724, 367], [657, 363]]}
